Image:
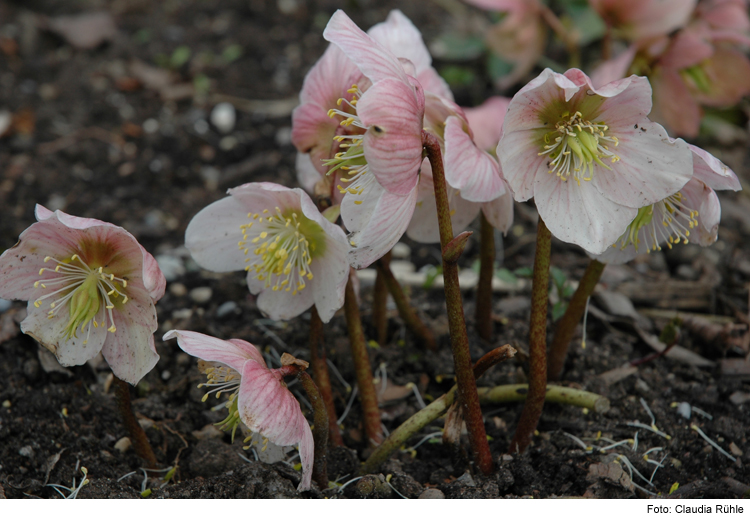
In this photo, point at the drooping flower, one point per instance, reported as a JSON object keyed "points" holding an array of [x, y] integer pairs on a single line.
{"points": [[90, 287], [293, 256], [520, 37], [642, 19], [690, 215], [589, 157], [258, 396], [382, 151], [473, 175]]}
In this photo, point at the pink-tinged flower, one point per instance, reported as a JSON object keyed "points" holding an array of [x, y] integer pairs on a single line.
{"points": [[520, 37], [690, 215], [90, 287], [293, 256], [589, 157], [258, 396], [382, 152], [642, 19]]}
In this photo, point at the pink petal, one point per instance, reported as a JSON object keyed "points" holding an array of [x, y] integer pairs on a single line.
{"points": [[212, 349], [486, 121], [213, 234], [393, 141], [374, 60], [130, 350], [467, 168], [399, 36], [520, 162], [307, 173], [712, 171], [153, 278], [674, 106], [614, 69], [390, 218], [651, 166], [624, 100], [330, 274], [51, 334], [266, 406], [499, 212], [728, 72], [580, 214]]}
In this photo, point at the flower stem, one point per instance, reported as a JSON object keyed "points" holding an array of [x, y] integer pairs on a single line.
{"points": [[323, 379], [567, 324], [362, 369], [483, 313], [532, 408], [320, 431], [467, 386], [379, 299], [407, 312], [496, 395], [136, 434]]}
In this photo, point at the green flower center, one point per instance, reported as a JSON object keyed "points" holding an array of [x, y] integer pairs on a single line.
{"points": [[84, 290], [280, 248], [578, 144]]}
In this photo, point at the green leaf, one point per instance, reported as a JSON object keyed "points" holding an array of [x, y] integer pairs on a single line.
{"points": [[497, 67], [584, 21], [431, 274], [456, 46], [232, 53], [558, 277], [457, 76], [180, 56], [506, 276], [524, 272], [558, 310]]}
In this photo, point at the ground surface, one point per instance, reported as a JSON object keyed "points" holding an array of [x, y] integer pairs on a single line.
{"points": [[97, 135]]}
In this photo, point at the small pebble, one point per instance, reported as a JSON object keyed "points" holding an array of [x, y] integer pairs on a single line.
{"points": [[165, 375], [26, 451], [432, 494], [734, 449], [6, 403], [150, 126], [201, 295], [223, 117], [5, 305], [226, 309], [228, 143], [171, 266], [177, 289], [684, 410], [401, 251], [182, 313], [123, 444], [31, 369]]}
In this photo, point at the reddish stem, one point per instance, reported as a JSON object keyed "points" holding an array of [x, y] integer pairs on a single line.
{"points": [[362, 369], [319, 367], [467, 386], [407, 312], [532, 408], [379, 299], [483, 314], [566, 326], [320, 431], [136, 434]]}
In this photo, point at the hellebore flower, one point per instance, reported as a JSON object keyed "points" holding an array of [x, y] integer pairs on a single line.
{"points": [[642, 19], [690, 215], [520, 37], [90, 287], [589, 157], [382, 150], [258, 396], [474, 177], [293, 256]]}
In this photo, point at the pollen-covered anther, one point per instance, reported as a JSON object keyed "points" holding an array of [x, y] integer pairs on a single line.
{"points": [[578, 146], [676, 221], [282, 255], [87, 292]]}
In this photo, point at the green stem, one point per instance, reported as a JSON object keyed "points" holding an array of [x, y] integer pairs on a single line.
{"points": [[322, 378], [467, 387], [405, 310], [566, 326], [495, 395], [532, 409], [320, 431], [362, 369], [379, 299], [137, 436], [483, 312]]}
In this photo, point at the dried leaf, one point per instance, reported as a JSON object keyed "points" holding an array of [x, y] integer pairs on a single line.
{"points": [[84, 31]]}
